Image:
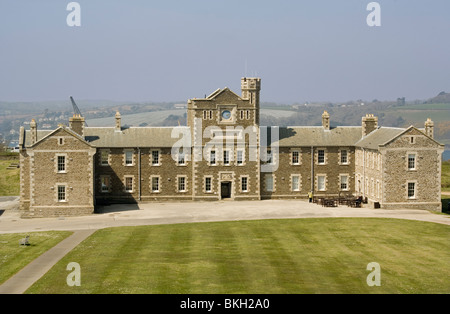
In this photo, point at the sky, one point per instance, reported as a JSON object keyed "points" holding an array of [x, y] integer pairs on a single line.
{"points": [[143, 50]]}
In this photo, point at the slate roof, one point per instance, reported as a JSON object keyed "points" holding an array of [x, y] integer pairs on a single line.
{"points": [[133, 136], [378, 137], [317, 136], [40, 135], [292, 136]]}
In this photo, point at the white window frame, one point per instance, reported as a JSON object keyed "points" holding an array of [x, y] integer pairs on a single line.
{"points": [[126, 152], [179, 182], [226, 157], [58, 164], [244, 186], [413, 160], [293, 153], [414, 196], [344, 162], [158, 157], [155, 187], [210, 188], [269, 183], [295, 188], [324, 183], [341, 182], [126, 184], [181, 158], [319, 156], [59, 193], [102, 152], [240, 157], [212, 157]]}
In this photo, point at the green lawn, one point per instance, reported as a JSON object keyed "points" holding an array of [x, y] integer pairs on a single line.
{"points": [[14, 257], [327, 255], [9, 179], [445, 177]]}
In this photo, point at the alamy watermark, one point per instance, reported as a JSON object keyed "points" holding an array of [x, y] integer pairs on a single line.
{"points": [[73, 278], [74, 17], [374, 278], [374, 17], [262, 144]]}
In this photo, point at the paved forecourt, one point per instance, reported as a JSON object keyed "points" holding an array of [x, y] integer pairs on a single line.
{"points": [[185, 212]]}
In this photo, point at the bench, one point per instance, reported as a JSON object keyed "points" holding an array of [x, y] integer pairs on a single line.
{"points": [[24, 241]]}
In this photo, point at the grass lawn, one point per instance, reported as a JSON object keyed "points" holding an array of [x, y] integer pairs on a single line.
{"points": [[445, 177], [14, 257], [327, 255], [9, 179]]}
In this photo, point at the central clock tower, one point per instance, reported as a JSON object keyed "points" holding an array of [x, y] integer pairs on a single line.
{"points": [[229, 169]]}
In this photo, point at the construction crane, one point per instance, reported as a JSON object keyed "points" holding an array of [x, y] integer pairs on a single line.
{"points": [[76, 110]]}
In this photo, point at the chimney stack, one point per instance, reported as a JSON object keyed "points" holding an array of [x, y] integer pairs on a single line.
{"points": [[369, 123], [326, 120], [76, 124], [118, 123], [33, 131], [429, 128]]}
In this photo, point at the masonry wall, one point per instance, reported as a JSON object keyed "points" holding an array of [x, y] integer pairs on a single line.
{"points": [[368, 175], [426, 176], [205, 115], [332, 170], [141, 170], [24, 163], [44, 177]]}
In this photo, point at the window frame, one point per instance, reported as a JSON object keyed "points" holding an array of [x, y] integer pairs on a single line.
{"points": [[341, 182], [414, 190], [126, 160], [411, 160], [102, 190], [344, 157], [64, 193], [158, 157], [126, 185], [246, 179], [293, 157], [184, 179], [293, 187], [58, 164], [319, 176], [319, 157]]}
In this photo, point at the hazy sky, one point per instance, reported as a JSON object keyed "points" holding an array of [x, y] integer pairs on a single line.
{"points": [[141, 50]]}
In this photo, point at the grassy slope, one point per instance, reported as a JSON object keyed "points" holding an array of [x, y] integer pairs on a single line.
{"points": [[445, 183], [270, 256], [9, 179]]}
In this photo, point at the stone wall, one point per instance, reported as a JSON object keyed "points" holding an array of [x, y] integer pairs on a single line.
{"points": [[426, 174], [41, 173]]}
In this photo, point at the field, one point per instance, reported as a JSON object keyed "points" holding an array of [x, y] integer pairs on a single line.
{"points": [[445, 178], [152, 118], [327, 255], [9, 179]]}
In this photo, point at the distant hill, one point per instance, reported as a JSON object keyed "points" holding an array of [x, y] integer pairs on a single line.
{"points": [[442, 97]]}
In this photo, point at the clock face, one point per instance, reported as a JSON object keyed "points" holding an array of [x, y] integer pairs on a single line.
{"points": [[226, 114]]}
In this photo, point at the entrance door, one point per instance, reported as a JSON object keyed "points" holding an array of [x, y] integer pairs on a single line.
{"points": [[225, 190]]}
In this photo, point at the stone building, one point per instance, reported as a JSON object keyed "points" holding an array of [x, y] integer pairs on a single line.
{"points": [[224, 153]]}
